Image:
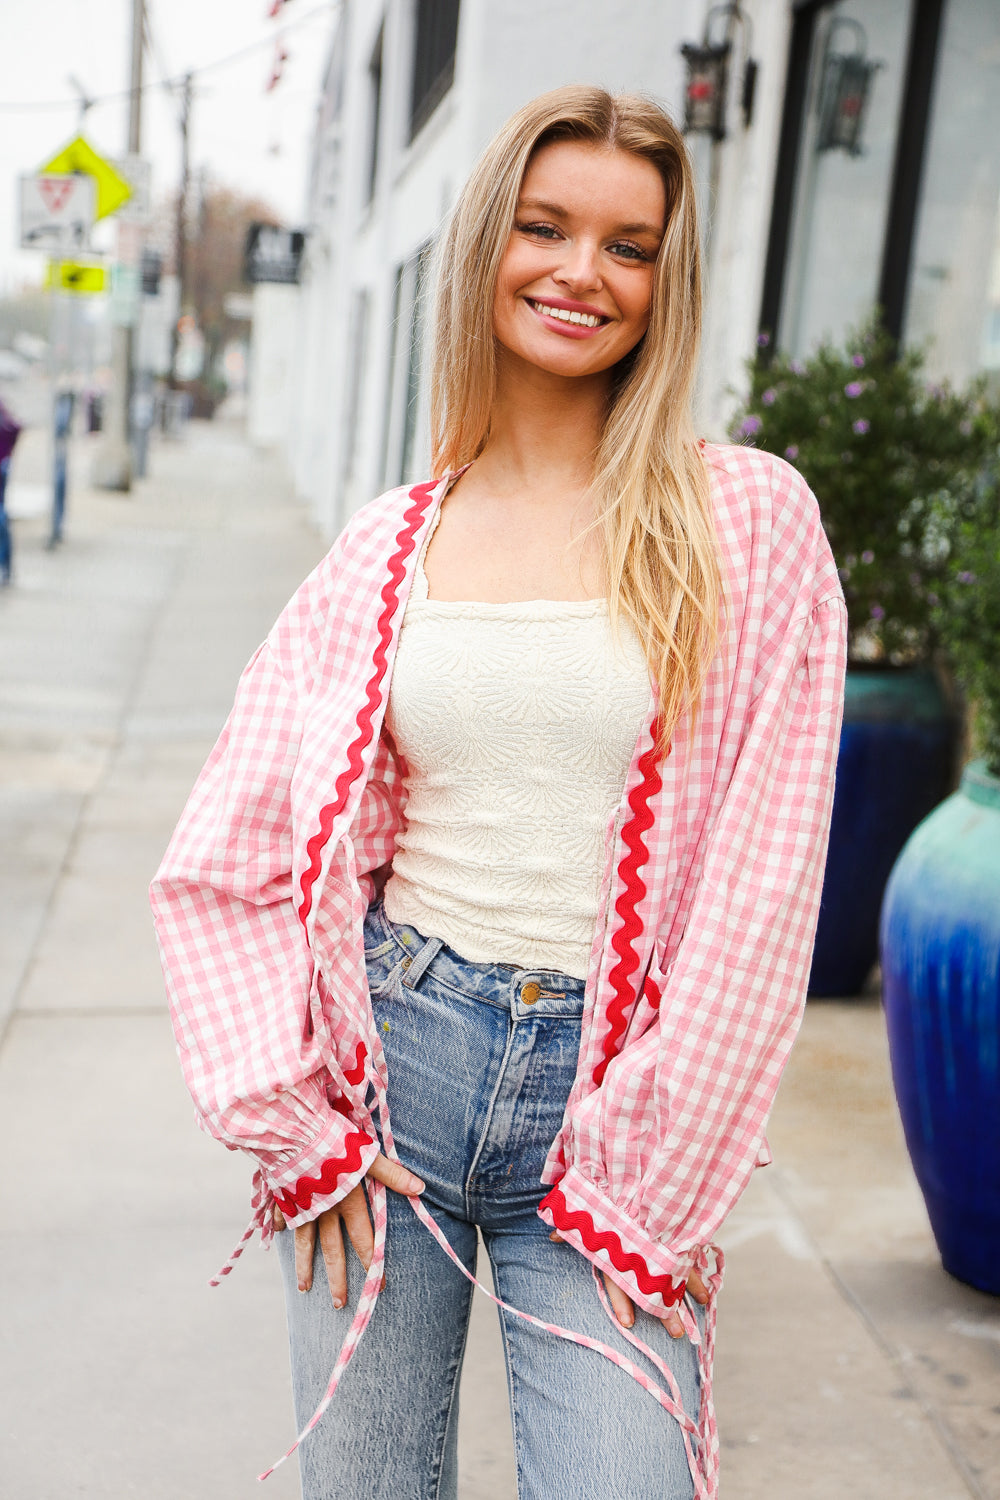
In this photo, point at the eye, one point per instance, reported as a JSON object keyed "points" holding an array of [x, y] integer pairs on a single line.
{"points": [[628, 250], [542, 231]]}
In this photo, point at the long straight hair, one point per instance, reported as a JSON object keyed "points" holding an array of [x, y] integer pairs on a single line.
{"points": [[650, 483]]}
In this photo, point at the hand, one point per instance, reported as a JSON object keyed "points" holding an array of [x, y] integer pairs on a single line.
{"points": [[624, 1310], [351, 1213]]}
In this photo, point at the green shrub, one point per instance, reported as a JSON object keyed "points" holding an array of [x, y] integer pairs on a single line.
{"points": [[887, 456]]}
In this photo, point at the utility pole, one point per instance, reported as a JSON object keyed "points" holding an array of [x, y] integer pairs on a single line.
{"points": [[180, 225], [113, 466]]}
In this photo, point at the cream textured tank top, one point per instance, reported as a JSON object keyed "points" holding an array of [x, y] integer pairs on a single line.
{"points": [[517, 725]]}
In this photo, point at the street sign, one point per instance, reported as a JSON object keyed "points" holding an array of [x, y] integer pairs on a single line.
{"points": [[56, 213], [273, 254], [79, 156], [76, 276]]}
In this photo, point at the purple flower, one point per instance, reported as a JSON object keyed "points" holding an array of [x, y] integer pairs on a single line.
{"points": [[861, 426], [933, 599], [915, 579], [965, 428], [878, 613], [858, 361], [792, 452], [797, 367], [749, 426], [763, 339], [853, 388], [868, 556], [966, 577], [770, 396]]}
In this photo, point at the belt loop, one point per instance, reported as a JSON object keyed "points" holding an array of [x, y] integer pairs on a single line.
{"points": [[419, 963]]}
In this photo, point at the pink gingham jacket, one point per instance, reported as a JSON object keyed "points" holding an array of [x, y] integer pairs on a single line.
{"points": [[701, 950]]}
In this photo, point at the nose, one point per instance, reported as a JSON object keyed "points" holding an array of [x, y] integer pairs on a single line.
{"points": [[579, 270]]}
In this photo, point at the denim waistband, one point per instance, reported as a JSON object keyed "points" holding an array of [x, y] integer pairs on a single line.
{"points": [[524, 992]]}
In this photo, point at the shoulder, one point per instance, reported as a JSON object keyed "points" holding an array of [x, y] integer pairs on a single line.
{"points": [[769, 520], [760, 482], [356, 567]]}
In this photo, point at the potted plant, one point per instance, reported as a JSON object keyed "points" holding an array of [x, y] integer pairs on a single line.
{"points": [[879, 448], [941, 927]]}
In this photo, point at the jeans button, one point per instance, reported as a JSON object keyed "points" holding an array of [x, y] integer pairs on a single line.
{"points": [[530, 993]]}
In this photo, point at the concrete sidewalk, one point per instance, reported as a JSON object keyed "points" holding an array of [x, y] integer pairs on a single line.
{"points": [[848, 1361]]}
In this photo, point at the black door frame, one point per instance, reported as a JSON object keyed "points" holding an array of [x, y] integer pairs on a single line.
{"points": [[908, 167]]}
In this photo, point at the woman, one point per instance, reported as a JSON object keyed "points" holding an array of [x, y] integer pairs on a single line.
{"points": [[499, 888]]}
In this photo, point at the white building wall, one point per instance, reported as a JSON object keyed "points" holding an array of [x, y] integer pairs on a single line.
{"points": [[508, 51], [274, 354]]}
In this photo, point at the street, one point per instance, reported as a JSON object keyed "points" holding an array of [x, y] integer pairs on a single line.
{"points": [[848, 1362]]}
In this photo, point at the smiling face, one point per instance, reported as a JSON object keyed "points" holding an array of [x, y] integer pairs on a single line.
{"points": [[575, 283]]}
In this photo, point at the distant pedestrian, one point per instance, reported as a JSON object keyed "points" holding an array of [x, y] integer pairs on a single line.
{"points": [[499, 888], [10, 430]]}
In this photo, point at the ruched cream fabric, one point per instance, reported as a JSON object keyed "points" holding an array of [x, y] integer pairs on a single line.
{"points": [[517, 724]]}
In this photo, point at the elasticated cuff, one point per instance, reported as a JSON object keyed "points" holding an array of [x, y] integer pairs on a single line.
{"points": [[323, 1173], [587, 1219]]}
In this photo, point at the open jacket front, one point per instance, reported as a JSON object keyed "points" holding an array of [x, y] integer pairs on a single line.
{"points": [[701, 951]]}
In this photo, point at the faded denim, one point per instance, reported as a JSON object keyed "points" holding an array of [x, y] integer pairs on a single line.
{"points": [[478, 1081]]}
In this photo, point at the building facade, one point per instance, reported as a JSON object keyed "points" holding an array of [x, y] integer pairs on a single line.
{"points": [[855, 164]]}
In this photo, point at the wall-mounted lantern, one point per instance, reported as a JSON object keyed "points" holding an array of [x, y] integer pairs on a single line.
{"points": [[845, 89], [707, 85]]}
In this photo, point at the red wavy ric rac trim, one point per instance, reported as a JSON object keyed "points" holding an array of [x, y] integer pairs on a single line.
{"points": [[623, 942], [652, 993], [627, 1261], [295, 1200], [356, 1074], [421, 496]]}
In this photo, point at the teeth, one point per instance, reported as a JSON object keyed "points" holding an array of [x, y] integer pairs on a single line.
{"points": [[586, 320]]}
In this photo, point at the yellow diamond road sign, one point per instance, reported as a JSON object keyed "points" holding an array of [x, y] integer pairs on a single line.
{"points": [[76, 276], [111, 187]]}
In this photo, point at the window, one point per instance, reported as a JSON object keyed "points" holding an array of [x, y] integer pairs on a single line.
{"points": [[953, 302], [374, 113], [406, 405], [839, 210], [357, 339], [436, 34]]}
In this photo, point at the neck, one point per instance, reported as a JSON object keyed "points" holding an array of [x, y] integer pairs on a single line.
{"points": [[544, 428]]}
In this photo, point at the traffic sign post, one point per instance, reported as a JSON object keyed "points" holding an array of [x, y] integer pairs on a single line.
{"points": [[57, 212]]}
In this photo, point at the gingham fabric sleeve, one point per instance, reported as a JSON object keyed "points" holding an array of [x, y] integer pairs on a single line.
{"points": [[239, 973], [657, 1155]]}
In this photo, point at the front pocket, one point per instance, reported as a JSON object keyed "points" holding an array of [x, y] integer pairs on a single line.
{"points": [[383, 965]]}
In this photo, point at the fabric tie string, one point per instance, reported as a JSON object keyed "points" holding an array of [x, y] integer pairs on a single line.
{"points": [[701, 1439]]}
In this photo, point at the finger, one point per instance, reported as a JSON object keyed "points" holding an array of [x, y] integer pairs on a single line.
{"points": [[697, 1288], [277, 1219], [621, 1302], [331, 1242], [395, 1176], [675, 1327], [305, 1247], [354, 1213]]}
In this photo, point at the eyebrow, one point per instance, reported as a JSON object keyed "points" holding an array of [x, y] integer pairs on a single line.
{"points": [[560, 213]]}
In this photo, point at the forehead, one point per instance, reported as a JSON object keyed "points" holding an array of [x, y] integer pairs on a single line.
{"points": [[582, 177]]}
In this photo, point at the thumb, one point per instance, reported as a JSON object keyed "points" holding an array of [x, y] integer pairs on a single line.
{"points": [[395, 1176]]}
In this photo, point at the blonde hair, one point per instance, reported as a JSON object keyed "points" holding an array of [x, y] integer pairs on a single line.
{"points": [[651, 486]]}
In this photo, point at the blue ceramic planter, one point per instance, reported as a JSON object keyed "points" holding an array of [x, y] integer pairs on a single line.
{"points": [[896, 763], [941, 983]]}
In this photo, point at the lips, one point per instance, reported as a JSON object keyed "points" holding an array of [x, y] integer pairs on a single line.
{"points": [[577, 319]]}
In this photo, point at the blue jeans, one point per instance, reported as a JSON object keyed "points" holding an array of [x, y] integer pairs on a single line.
{"points": [[479, 1072]]}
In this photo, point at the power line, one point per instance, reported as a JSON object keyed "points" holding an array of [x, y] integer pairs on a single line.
{"points": [[170, 84]]}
